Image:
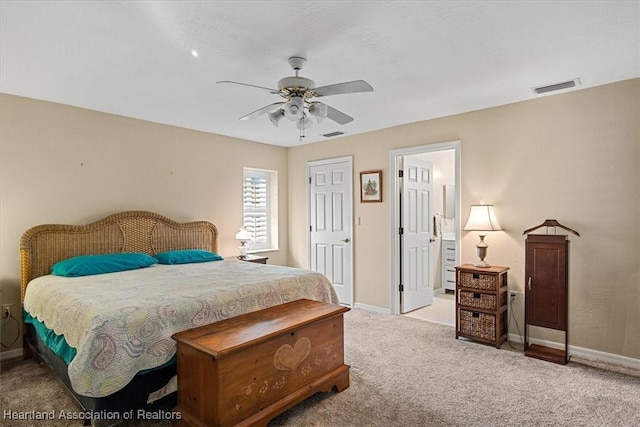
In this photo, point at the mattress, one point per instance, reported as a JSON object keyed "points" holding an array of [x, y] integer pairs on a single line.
{"points": [[120, 324]]}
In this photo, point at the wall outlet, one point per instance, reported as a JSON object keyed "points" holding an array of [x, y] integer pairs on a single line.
{"points": [[513, 295], [6, 311]]}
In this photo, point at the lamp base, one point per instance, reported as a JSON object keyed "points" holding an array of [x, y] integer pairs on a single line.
{"points": [[482, 264], [243, 251], [481, 249]]}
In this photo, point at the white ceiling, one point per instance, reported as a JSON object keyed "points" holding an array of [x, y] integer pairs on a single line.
{"points": [[425, 59]]}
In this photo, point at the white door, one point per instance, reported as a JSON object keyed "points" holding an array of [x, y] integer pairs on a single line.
{"points": [[330, 220], [417, 234]]}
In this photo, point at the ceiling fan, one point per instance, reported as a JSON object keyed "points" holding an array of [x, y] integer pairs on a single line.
{"points": [[298, 104]]}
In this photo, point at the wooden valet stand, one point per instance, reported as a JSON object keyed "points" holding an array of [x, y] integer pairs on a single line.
{"points": [[546, 302]]}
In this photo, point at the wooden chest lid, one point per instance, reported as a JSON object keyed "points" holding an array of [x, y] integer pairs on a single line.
{"points": [[237, 333]]}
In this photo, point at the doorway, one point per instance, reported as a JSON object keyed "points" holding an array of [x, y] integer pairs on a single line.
{"points": [[445, 218], [330, 214]]}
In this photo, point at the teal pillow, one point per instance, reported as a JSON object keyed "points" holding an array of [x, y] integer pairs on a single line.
{"points": [[87, 265], [186, 256]]}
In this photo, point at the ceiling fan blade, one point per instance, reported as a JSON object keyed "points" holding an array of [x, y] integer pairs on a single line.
{"points": [[338, 116], [261, 111], [246, 84], [341, 88]]}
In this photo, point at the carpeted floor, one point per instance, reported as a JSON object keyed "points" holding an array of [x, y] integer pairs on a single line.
{"points": [[408, 372]]}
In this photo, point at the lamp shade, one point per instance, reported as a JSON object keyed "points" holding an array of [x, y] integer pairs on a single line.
{"points": [[243, 235], [294, 108], [482, 218], [304, 123], [276, 116], [319, 110]]}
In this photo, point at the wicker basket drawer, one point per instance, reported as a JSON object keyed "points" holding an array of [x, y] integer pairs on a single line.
{"points": [[478, 280], [479, 325], [477, 300]]}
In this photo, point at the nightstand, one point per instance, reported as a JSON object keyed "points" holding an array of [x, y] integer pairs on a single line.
{"points": [[255, 258], [481, 303]]}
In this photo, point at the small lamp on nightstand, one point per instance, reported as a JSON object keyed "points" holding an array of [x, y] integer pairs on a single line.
{"points": [[243, 237], [482, 218]]}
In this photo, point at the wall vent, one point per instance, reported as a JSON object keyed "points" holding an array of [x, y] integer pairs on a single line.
{"points": [[557, 86], [329, 135]]}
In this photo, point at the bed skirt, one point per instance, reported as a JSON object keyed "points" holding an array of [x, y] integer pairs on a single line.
{"points": [[126, 404]]}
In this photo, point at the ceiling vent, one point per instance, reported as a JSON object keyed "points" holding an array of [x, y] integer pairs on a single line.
{"points": [[557, 86], [329, 135]]}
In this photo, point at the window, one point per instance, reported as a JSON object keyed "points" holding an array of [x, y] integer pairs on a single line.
{"points": [[260, 218]]}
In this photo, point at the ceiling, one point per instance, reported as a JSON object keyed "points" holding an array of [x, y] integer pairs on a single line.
{"points": [[424, 59]]}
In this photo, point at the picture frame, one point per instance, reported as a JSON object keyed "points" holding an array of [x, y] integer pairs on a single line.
{"points": [[371, 186]]}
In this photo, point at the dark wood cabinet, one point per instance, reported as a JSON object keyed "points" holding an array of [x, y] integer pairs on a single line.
{"points": [[546, 291]]}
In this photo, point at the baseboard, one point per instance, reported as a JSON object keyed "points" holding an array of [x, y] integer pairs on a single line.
{"points": [[584, 353], [11, 354], [373, 308]]}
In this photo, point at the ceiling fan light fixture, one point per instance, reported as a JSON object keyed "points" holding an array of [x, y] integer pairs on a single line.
{"points": [[276, 116], [319, 111], [304, 123], [294, 108]]}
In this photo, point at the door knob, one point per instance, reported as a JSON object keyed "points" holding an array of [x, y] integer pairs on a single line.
{"points": [[346, 240], [431, 240]]}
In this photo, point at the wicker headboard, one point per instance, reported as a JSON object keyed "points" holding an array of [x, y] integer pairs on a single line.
{"points": [[131, 231]]}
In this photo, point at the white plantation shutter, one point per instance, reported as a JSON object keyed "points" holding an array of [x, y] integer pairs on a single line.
{"points": [[256, 208]]}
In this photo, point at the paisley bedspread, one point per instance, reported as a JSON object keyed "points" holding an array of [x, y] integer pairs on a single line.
{"points": [[121, 323]]}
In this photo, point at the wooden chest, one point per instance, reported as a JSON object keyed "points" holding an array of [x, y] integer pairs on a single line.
{"points": [[248, 369]]}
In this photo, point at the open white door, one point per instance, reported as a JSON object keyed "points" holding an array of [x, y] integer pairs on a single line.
{"points": [[330, 223], [416, 237]]}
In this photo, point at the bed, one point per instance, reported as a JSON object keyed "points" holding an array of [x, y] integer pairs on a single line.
{"points": [[107, 336]]}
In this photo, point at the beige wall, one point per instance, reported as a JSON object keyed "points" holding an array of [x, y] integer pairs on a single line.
{"points": [[574, 157], [61, 164]]}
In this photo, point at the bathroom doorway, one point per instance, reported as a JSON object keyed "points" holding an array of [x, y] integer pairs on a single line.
{"points": [[444, 222]]}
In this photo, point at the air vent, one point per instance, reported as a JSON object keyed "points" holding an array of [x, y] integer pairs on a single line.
{"points": [[329, 135], [557, 86]]}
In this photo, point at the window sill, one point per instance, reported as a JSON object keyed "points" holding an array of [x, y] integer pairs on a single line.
{"points": [[260, 251]]}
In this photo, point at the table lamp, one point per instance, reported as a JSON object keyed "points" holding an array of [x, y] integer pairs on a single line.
{"points": [[482, 218], [243, 237]]}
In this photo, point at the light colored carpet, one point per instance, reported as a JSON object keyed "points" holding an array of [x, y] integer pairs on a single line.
{"points": [[407, 372]]}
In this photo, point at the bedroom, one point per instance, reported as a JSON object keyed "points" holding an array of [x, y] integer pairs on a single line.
{"points": [[573, 156]]}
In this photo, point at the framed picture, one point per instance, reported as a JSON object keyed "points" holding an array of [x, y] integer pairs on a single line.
{"points": [[371, 186]]}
